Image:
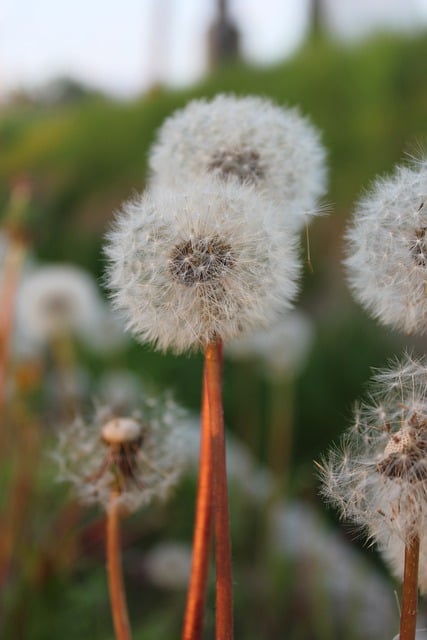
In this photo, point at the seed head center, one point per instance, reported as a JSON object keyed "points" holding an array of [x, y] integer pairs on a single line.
{"points": [[418, 247], [244, 165], [200, 260]]}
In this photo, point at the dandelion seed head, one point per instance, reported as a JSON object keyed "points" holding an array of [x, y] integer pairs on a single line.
{"points": [[250, 140], [140, 456], [386, 249], [189, 266], [57, 299], [377, 477]]}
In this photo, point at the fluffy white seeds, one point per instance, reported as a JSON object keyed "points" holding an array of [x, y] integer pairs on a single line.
{"points": [[141, 456], [189, 266], [387, 249], [281, 349], [378, 477], [250, 140], [54, 300]]}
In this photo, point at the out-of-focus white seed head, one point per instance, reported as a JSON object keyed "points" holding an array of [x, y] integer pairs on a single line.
{"points": [[168, 564], [250, 140], [190, 265], [141, 456], [120, 430], [281, 349], [387, 249], [378, 477], [56, 299]]}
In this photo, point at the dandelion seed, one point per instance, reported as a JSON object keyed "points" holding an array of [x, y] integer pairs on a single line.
{"points": [[387, 253], [249, 140], [186, 267]]}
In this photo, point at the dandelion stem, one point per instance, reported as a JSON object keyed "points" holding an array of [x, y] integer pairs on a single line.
{"points": [[408, 618], [224, 580], [194, 613], [114, 570]]}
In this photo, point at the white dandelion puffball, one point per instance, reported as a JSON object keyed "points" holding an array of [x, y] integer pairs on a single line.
{"points": [[56, 299], [378, 477], [387, 249], [168, 564], [187, 267], [251, 140], [142, 455], [281, 349]]}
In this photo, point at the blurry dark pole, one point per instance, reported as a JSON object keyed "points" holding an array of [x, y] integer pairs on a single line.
{"points": [[158, 45], [316, 18], [223, 37]]}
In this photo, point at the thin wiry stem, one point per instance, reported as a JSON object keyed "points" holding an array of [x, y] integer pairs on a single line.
{"points": [[114, 570], [224, 578], [11, 274], [196, 596], [408, 617]]}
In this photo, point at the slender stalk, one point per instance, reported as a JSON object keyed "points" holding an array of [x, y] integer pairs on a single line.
{"points": [[224, 579], [12, 271], [114, 570], [408, 617], [196, 596], [281, 428]]}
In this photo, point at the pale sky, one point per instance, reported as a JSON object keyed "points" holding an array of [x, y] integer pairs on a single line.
{"points": [[121, 46]]}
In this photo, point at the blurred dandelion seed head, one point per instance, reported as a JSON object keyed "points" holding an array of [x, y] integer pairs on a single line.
{"points": [[249, 140], [55, 300], [386, 249]]}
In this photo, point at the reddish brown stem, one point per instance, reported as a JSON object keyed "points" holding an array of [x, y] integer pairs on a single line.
{"points": [[196, 596], [408, 617], [224, 578], [12, 270], [114, 570]]}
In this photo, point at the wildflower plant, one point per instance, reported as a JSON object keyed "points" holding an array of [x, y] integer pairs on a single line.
{"points": [[387, 249], [122, 463], [206, 255], [378, 476]]}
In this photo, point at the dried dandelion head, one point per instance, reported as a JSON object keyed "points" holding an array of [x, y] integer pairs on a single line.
{"points": [[387, 249], [249, 140], [138, 457], [378, 477], [189, 266]]}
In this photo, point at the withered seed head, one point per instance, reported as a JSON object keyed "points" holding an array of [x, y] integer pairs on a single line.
{"points": [[200, 261], [405, 455], [121, 431]]}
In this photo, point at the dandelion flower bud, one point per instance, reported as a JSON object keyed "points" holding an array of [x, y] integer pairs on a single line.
{"points": [[189, 266], [54, 300], [387, 249], [250, 140], [139, 457], [378, 477]]}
